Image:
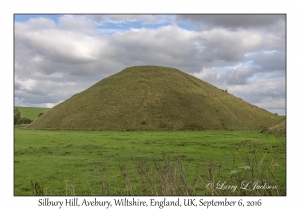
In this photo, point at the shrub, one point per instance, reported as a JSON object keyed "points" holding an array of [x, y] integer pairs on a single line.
{"points": [[25, 121]]}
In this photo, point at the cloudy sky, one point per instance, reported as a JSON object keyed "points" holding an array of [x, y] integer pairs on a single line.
{"points": [[56, 56]]}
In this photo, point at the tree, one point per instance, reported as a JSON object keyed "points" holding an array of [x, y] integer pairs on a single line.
{"points": [[17, 116], [40, 114]]}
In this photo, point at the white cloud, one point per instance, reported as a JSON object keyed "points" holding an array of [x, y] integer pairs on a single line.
{"points": [[35, 24], [60, 46], [81, 24]]}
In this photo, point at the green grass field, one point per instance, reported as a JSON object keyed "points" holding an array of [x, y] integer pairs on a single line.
{"points": [[31, 112], [146, 163]]}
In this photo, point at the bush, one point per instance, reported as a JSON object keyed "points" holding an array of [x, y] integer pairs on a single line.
{"points": [[25, 121]]}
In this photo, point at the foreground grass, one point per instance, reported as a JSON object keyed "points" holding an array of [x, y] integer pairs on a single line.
{"points": [[146, 163]]}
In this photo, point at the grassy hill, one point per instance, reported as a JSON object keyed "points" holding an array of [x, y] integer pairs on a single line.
{"points": [[31, 112], [154, 98], [277, 129]]}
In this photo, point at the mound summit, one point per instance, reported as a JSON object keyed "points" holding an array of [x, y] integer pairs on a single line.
{"points": [[154, 98]]}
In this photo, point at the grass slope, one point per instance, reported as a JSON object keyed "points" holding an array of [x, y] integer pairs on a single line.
{"points": [[154, 98], [31, 112], [278, 129]]}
